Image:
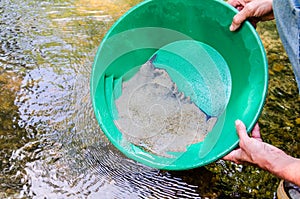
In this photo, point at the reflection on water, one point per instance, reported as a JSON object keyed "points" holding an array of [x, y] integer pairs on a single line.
{"points": [[55, 147], [50, 143]]}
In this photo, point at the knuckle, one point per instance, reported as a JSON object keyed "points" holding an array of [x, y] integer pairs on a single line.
{"points": [[249, 9]]}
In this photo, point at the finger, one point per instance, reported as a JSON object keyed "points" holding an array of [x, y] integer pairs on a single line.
{"points": [[239, 8], [233, 156], [234, 3], [241, 130], [239, 18], [256, 132]]}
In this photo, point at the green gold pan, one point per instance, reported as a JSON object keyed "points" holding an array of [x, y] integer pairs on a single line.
{"points": [[225, 73]]}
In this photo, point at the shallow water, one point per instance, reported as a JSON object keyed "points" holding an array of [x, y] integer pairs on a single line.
{"points": [[50, 143]]}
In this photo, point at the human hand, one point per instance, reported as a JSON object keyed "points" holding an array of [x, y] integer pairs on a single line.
{"points": [[254, 10], [249, 147], [264, 155], [253, 150]]}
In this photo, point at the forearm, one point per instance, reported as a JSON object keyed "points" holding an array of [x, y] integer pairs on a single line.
{"points": [[280, 164], [290, 171]]}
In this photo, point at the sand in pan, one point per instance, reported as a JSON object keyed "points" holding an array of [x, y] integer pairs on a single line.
{"points": [[154, 115]]}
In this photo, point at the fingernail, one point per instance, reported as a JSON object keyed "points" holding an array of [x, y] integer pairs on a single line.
{"points": [[238, 122], [233, 27]]}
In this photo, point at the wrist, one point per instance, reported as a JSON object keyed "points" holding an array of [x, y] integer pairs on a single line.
{"points": [[278, 163], [271, 158]]}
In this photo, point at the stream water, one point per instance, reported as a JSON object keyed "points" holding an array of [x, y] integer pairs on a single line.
{"points": [[50, 143]]}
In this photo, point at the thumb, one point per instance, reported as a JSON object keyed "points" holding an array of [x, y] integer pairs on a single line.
{"points": [[241, 130], [239, 18]]}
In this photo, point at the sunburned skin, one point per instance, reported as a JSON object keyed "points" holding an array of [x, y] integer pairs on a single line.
{"points": [[154, 115]]}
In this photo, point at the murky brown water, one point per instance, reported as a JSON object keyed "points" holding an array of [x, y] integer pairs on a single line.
{"points": [[50, 143]]}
